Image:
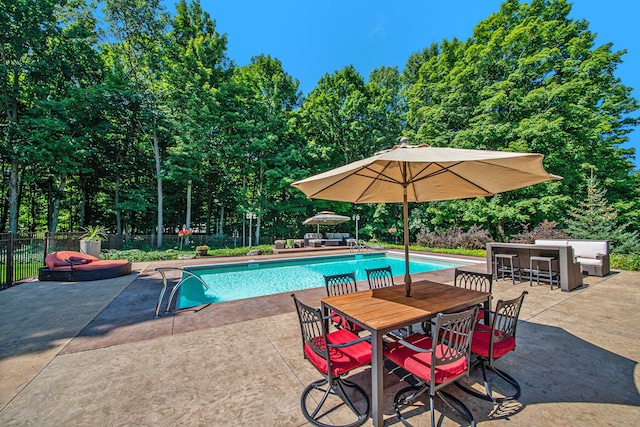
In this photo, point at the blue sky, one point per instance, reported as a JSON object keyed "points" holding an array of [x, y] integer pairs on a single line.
{"points": [[314, 37]]}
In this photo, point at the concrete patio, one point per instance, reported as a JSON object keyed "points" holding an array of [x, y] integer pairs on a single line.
{"points": [[90, 353]]}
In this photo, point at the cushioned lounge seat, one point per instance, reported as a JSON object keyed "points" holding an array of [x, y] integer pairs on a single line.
{"points": [[69, 266]]}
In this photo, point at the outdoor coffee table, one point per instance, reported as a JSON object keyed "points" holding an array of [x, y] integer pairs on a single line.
{"points": [[386, 309]]}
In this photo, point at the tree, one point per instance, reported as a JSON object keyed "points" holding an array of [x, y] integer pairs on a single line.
{"points": [[138, 27], [25, 29], [531, 79], [335, 120], [257, 136], [594, 219], [196, 68], [48, 71]]}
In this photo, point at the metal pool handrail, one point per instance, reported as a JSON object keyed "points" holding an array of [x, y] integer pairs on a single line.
{"points": [[183, 279]]}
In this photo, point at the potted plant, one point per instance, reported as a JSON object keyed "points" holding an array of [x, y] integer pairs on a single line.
{"points": [[202, 250], [91, 240]]}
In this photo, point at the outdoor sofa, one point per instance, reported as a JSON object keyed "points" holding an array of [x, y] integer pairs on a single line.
{"points": [[311, 236], [336, 239], [70, 266], [593, 255]]}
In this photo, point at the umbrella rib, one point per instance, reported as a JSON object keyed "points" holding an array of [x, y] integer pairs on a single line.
{"points": [[359, 173], [378, 175], [447, 169]]}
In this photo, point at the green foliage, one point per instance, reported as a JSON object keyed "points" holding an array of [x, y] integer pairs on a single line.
{"points": [[625, 262], [110, 133], [458, 251], [530, 79], [594, 219], [137, 255], [96, 233]]}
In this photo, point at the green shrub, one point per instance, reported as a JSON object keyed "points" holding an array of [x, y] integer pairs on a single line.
{"points": [[137, 255], [625, 262], [459, 251]]}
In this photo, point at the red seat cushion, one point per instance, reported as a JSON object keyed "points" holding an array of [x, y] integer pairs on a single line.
{"points": [[62, 258], [481, 340], [419, 364], [343, 359]]}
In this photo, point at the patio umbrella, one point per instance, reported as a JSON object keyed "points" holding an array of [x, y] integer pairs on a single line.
{"points": [[423, 173], [325, 218]]}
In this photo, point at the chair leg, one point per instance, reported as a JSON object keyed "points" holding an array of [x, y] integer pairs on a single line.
{"points": [[336, 389], [407, 396], [457, 406], [432, 408], [489, 395]]}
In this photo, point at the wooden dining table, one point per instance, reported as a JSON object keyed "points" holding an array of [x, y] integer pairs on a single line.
{"points": [[386, 309]]}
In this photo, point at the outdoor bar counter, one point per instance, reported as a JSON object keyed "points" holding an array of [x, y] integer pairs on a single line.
{"points": [[569, 270]]}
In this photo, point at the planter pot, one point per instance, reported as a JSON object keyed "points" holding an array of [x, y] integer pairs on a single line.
{"points": [[90, 247], [202, 252]]}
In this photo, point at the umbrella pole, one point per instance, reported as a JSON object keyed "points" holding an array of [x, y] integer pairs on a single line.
{"points": [[405, 214]]}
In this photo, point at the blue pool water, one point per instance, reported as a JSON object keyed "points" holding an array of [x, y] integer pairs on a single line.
{"points": [[234, 281]]}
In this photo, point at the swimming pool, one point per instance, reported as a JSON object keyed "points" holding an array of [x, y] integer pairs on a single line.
{"points": [[228, 282]]}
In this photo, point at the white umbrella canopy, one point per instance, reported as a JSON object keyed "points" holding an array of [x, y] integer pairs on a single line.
{"points": [[325, 218], [421, 173]]}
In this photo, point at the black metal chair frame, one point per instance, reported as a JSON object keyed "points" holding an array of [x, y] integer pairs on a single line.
{"points": [[453, 332], [381, 277], [476, 281], [340, 284], [314, 336], [503, 326]]}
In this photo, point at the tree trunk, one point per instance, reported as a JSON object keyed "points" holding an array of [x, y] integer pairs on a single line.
{"points": [[221, 231], [257, 237], [209, 207], [118, 210], [56, 206], [13, 196], [156, 154], [83, 207], [188, 219]]}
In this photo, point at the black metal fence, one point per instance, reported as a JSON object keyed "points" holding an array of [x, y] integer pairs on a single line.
{"points": [[22, 254]]}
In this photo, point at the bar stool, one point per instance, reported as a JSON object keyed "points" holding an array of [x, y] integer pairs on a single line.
{"points": [[507, 264], [542, 274]]}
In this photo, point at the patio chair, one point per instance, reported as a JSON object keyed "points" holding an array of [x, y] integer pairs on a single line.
{"points": [[435, 361], [492, 342], [333, 354], [476, 281], [340, 284], [379, 277]]}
